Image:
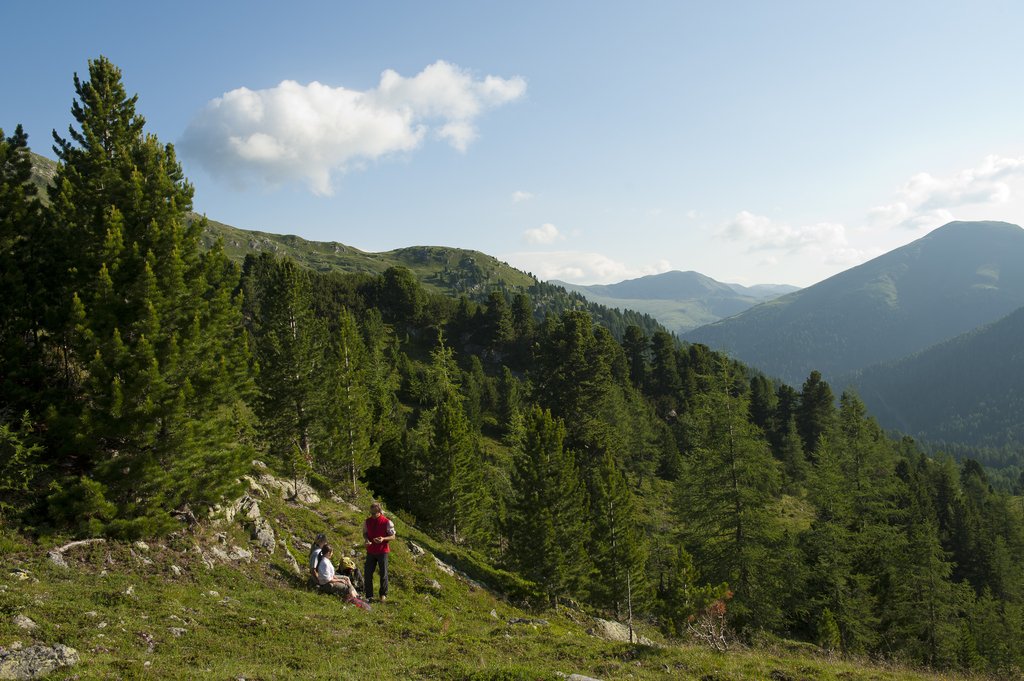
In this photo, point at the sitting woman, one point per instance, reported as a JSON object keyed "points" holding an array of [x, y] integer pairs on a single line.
{"points": [[328, 580]]}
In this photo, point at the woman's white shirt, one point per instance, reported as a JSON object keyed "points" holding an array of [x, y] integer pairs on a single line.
{"points": [[325, 571]]}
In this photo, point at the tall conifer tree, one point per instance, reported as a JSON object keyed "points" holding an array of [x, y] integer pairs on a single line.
{"points": [[291, 349], [547, 531], [157, 339], [349, 446]]}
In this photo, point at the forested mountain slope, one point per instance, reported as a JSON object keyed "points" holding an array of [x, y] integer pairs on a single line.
{"points": [[680, 300], [967, 390], [958, 277]]}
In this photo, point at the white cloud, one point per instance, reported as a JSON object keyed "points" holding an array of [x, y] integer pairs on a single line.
{"points": [[926, 200], [545, 234], [520, 196], [309, 132], [826, 241], [580, 267]]}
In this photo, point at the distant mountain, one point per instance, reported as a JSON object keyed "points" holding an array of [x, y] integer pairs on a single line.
{"points": [[957, 278], [967, 390], [679, 300]]}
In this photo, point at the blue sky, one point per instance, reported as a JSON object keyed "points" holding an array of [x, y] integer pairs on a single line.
{"points": [[755, 142]]}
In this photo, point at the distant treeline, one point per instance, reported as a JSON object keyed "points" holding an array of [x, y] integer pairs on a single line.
{"points": [[139, 374]]}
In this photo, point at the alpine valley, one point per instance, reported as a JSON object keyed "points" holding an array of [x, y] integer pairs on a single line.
{"points": [[185, 404]]}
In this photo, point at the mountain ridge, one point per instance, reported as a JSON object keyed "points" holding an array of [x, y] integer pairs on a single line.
{"points": [[679, 300], [954, 279]]}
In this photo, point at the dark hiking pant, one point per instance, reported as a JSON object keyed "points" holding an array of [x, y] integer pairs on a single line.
{"points": [[373, 561]]}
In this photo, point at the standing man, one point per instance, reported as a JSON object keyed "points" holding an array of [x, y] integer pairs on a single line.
{"points": [[378, 531]]}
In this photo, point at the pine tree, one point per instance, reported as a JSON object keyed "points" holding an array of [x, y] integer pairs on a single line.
{"points": [[635, 345], [21, 370], [290, 346], [815, 414], [156, 332], [547, 529], [456, 496]]}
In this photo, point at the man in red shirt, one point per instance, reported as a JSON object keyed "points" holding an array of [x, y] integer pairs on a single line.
{"points": [[378, 531]]}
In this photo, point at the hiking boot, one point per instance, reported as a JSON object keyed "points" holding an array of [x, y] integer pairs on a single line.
{"points": [[383, 599]]}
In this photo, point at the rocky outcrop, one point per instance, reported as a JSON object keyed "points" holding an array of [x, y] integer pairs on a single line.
{"points": [[36, 661]]}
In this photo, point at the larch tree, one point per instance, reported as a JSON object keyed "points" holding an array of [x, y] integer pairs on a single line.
{"points": [[725, 502], [350, 450]]}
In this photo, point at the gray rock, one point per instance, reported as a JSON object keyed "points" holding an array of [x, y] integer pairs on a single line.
{"points": [[23, 622], [177, 632], [141, 546], [290, 489], [176, 570], [57, 558], [263, 533], [289, 558], [35, 661], [444, 567], [238, 553], [616, 631], [433, 585], [415, 549], [255, 487]]}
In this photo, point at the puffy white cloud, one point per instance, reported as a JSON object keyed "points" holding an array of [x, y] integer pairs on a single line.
{"points": [[825, 240], [520, 196], [926, 200], [545, 234], [581, 267], [762, 233], [309, 132]]}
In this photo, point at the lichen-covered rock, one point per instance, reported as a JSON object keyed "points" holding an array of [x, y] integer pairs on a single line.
{"points": [[35, 662], [615, 631], [263, 534], [291, 490], [23, 622]]}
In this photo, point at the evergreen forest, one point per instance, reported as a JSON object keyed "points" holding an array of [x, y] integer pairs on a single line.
{"points": [[613, 469]]}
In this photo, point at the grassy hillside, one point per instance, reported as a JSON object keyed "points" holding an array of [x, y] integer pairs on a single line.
{"points": [[451, 271], [196, 606]]}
